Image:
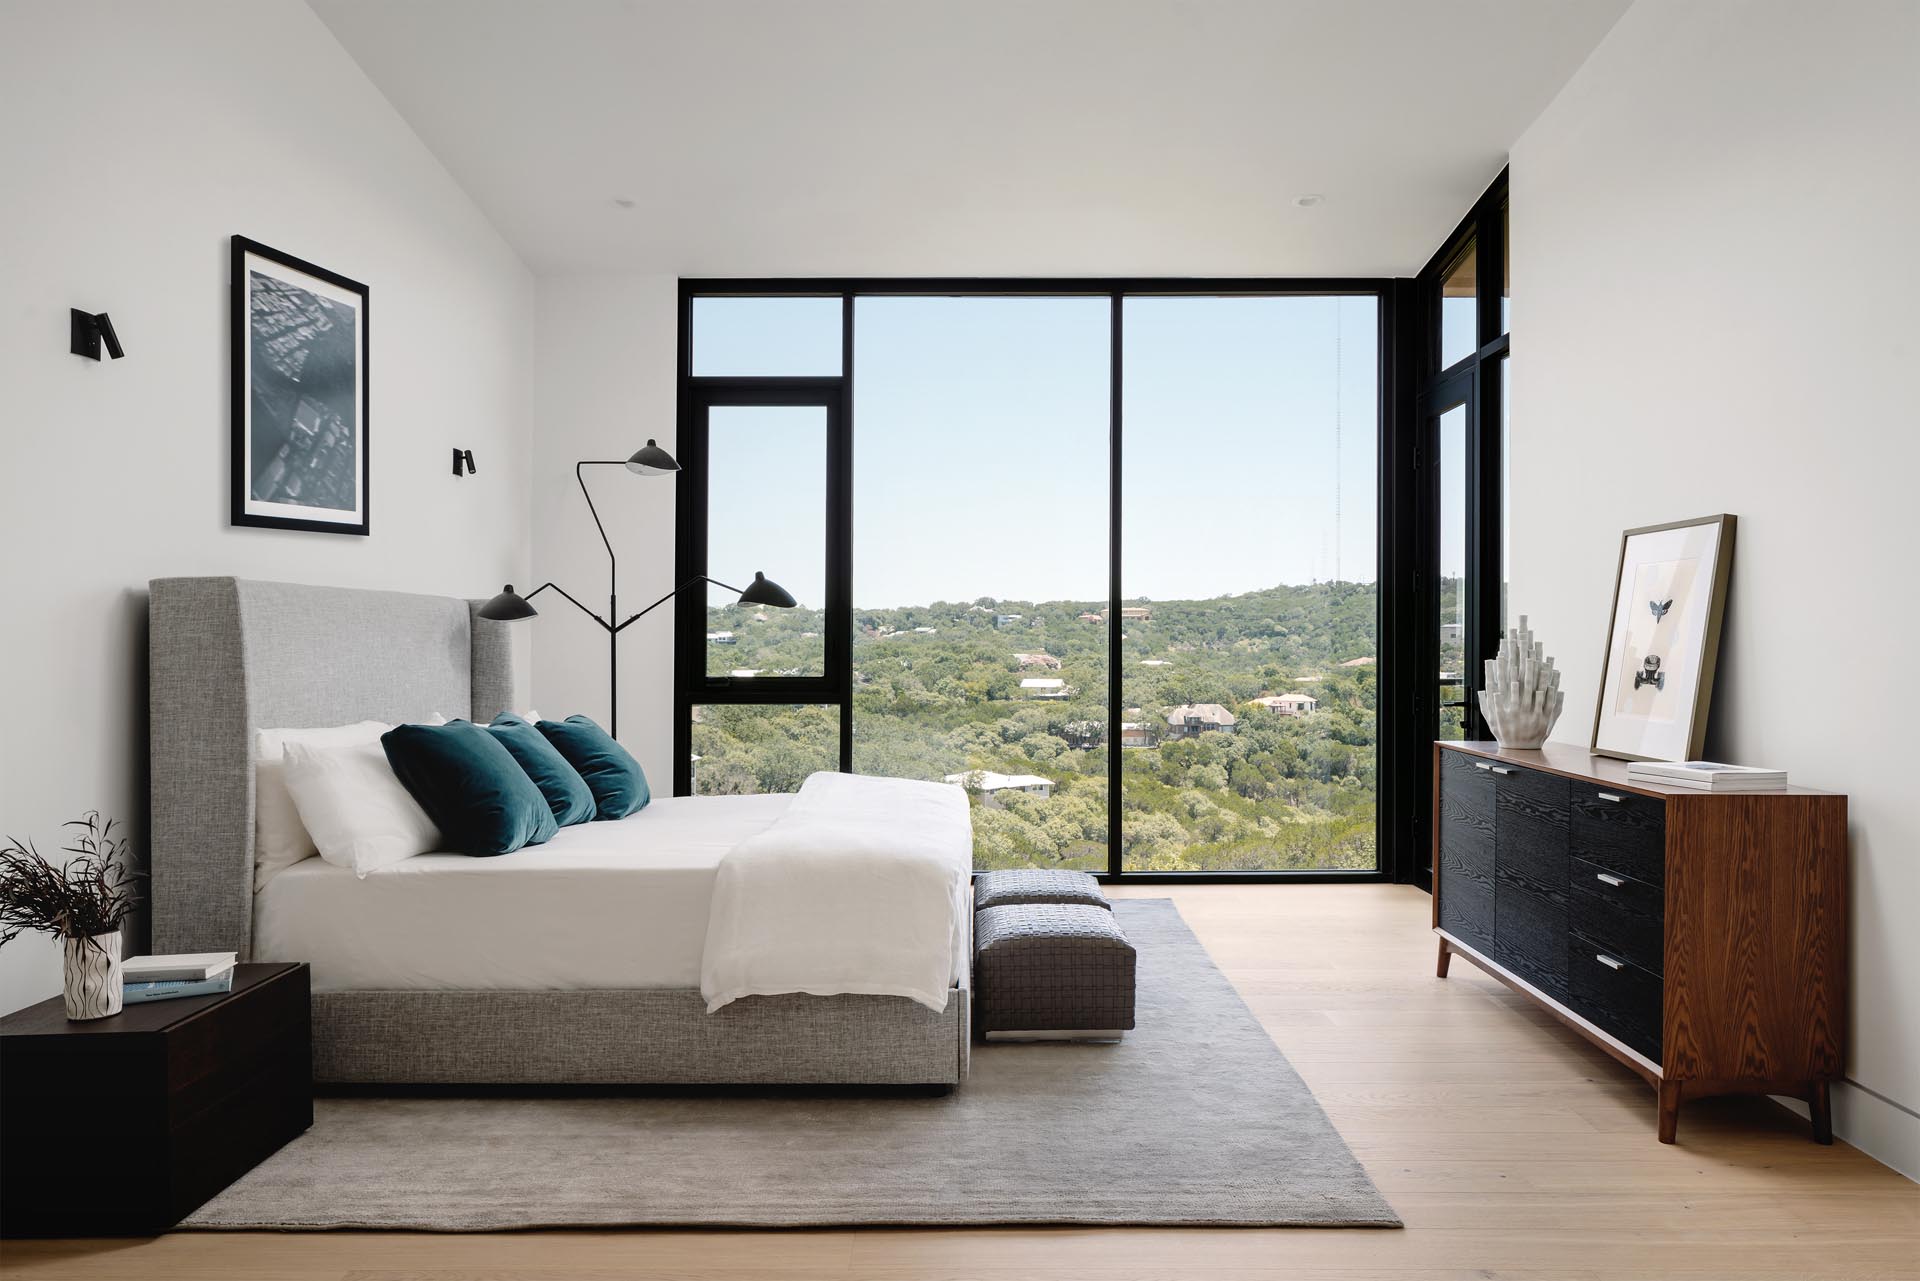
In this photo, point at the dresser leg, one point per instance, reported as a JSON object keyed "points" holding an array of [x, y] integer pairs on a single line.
{"points": [[1669, 1110], [1440, 965], [1820, 1105]]}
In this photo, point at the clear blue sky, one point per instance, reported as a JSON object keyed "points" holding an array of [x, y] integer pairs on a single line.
{"points": [[980, 455]]}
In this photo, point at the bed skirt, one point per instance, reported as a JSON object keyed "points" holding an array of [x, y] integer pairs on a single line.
{"points": [[649, 1036]]}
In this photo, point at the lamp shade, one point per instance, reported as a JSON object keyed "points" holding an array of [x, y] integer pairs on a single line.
{"points": [[508, 606], [651, 460], [764, 591]]}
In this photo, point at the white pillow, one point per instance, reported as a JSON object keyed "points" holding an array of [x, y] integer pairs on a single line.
{"points": [[280, 839], [531, 718], [355, 808]]}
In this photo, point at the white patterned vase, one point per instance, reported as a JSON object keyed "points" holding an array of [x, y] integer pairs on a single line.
{"points": [[93, 976]]}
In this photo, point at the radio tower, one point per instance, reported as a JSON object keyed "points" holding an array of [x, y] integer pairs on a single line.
{"points": [[1339, 471]]}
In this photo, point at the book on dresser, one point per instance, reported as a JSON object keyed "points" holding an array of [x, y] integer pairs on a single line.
{"points": [[1698, 936], [173, 989], [1708, 776]]}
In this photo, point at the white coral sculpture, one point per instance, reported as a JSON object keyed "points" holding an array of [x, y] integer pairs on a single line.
{"points": [[1522, 698]]}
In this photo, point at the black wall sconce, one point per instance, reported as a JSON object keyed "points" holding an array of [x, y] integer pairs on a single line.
{"points": [[463, 458], [88, 330]]}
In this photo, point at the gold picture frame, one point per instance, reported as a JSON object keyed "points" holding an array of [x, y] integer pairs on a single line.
{"points": [[1656, 674]]}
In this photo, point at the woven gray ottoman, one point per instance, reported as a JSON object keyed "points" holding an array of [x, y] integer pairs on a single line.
{"points": [[1051, 971], [1035, 885]]}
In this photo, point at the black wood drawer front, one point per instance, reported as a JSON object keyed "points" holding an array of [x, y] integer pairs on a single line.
{"points": [[1530, 937], [1624, 914], [1621, 831], [1615, 994], [1466, 905], [1530, 829], [1466, 815]]}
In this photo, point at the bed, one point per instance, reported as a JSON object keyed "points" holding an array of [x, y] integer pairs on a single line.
{"points": [[577, 961]]}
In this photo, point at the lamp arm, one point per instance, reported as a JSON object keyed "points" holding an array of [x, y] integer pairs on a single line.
{"points": [[697, 578], [613, 563], [576, 604]]}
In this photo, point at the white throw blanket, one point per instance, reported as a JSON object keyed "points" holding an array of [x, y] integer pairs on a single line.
{"points": [[859, 887]]}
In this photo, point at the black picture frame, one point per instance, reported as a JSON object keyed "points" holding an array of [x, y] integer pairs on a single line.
{"points": [[324, 429]]}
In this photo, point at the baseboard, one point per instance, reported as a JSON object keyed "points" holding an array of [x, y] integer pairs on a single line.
{"points": [[1881, 1128]]}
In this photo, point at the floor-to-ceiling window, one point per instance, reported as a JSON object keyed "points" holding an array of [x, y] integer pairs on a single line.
{"points": [[1249, 609], [1043, 535], [1461, 436]]}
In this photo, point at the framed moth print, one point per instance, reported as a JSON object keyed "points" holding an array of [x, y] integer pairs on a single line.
{"points": [[299, 394], [1669, 597]]}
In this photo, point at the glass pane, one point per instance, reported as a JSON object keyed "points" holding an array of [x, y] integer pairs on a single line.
{"points": [[1250, 605], [1459, 337], [767, 512], [1453, 571], [739, 750], [764, 337], [1506, 267], [1506, 491], [980, 563]]}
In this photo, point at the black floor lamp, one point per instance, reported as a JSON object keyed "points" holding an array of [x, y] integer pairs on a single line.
{"points": [[509, 605]]}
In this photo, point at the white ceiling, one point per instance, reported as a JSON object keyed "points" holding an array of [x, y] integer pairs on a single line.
{"points": [[972, 137]]}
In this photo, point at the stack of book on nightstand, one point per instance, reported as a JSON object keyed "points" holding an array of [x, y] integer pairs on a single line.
{"points": [[1708, 776], [162, 978]]}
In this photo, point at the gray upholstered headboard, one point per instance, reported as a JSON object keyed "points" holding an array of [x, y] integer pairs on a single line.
{"points": [[229, 656]]}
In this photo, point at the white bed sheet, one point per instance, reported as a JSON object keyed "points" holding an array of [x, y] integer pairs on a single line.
{"points": [[622, 904]]}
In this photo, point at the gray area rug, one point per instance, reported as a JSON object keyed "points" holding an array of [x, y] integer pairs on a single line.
{"points": [[1195, 1118]]}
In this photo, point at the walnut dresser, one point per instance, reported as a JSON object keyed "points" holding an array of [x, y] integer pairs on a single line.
{"points": [[1699, 938]]}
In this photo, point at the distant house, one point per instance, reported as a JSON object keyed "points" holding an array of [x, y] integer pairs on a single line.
{"points": [[1359, 662], [1156, 662], [926, 631], [746, 673], [1191, 719], [720, 638], [1091, 617], [990, 784], [1132, 613], [1452, 631], [1045, 687], [1006, 620], [1135, 734], [1289, 704], [1047, 661]]}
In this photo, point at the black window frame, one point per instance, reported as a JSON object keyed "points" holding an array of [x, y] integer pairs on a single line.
{"points": [[1475, 381], [1400, 532]]}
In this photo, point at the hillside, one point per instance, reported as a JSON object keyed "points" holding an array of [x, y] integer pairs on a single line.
{"points": [[1272, 792]]}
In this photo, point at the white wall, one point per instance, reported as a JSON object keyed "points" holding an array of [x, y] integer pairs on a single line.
{"points": [[139, 137], [1713, 281], [606, 384]]}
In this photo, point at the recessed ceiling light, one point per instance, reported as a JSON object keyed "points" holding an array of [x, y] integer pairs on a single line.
{"points": [[1309, 201], [625, 203]]}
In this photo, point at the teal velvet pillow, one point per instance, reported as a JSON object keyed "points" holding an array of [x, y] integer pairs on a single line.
{"points": [[470, 786], [567, 793], [619, 784]]}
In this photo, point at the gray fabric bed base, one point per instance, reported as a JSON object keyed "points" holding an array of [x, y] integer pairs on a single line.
{"points": [[660, 1036], [229, 656]]}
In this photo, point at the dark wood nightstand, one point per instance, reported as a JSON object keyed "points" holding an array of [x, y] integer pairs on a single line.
{"points": [[126, 1125]]}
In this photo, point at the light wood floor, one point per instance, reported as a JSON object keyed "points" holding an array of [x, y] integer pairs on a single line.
{"points": [[1510, 1149]]}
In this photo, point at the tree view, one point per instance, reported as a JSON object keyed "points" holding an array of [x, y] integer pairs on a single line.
{"points": [[1272, 767]]}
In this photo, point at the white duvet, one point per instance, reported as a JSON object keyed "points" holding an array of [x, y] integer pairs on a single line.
{"points": [[858, 887]]}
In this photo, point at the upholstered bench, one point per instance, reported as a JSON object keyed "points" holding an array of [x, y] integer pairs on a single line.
{"points": [[1051, 971], [1035, 885]]}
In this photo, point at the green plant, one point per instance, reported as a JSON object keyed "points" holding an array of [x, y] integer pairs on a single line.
{"points": [[91, 895]]}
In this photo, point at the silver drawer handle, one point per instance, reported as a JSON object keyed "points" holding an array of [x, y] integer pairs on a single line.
{"points": [[1483, 764], [1500, 769], [1607, 961], [1608, 877], [1609, 796]]}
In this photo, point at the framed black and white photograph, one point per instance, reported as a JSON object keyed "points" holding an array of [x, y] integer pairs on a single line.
{"points": [[300, 436], [1669, 599]]}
